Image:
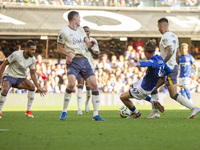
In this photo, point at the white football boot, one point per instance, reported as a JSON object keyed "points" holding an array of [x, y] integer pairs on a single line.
{"points": [[153, 114], [194, 112]]}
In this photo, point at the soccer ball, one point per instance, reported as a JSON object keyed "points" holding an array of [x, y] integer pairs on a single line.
{"points": [[124, 111]]}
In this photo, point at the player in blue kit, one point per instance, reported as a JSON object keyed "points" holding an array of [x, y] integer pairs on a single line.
{"points": [[186, 61], [141, 89], [169, 51]]}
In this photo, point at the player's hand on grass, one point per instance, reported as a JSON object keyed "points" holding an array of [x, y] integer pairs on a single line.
{"points": [[42, 91]]}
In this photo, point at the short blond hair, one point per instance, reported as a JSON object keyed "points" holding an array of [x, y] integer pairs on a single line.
{"points": [[184, 44]]}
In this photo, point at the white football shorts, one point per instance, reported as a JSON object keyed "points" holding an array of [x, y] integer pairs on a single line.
{"points": [[138, 92], [184, 81]]}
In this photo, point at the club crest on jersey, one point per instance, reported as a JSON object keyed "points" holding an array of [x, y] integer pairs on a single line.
{"points": [[187, 59], [160, 62], [165, 40]]}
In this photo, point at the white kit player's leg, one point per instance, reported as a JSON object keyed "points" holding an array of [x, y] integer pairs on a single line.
{"points": [[67, 98], [183, 101], [91, 81], [31, 95], [79, 98], [95, 102], [88, 95], [2, 101]]}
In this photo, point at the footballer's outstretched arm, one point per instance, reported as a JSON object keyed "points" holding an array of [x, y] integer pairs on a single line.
{"points": [[34, 78], [140, 64], [169, 53]]}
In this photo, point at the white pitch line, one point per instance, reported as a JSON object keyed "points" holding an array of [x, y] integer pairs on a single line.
{"points": [[4, 129]]}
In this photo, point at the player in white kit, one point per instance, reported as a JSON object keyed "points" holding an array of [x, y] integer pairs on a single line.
{"points": [[15, 73], [71, 43], [90, 52], [169, 48]]}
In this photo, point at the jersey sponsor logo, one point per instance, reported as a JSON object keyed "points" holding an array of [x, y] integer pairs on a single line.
{"points": [[21, 68], [76, 41], [184, 63]]}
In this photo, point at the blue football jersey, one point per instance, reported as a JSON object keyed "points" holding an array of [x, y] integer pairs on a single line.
{"points": [[154, 72], [185, 62]]}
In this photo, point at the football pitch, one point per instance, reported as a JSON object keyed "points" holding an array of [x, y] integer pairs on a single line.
{"points": [[173, 131]]}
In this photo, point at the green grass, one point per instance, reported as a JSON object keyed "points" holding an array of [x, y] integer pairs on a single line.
{"points": [[173, 131]]}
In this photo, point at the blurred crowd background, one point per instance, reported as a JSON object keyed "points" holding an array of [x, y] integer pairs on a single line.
{"points": [[111, 69], [174, 4]]}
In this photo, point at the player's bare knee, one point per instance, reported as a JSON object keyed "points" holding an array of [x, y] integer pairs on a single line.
{"points": [[5, 91], [71, 85], [31, 88], [93, 87]]}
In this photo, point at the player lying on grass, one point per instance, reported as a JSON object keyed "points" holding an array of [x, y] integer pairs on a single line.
{"points": [[15, 74], [142, 88]]}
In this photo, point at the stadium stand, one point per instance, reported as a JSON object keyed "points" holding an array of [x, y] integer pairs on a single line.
{"points": [[22, 20]]}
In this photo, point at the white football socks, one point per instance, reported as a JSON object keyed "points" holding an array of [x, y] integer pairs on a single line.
{"points": [[79, 97], [88, 95], [183, 101], [67, 98], [2, 101], [95, 102], [31, 95]]}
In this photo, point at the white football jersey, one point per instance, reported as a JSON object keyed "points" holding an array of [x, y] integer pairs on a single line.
{"points": [[89, 56], [169, 38], [73, 40], [18, 64]]}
